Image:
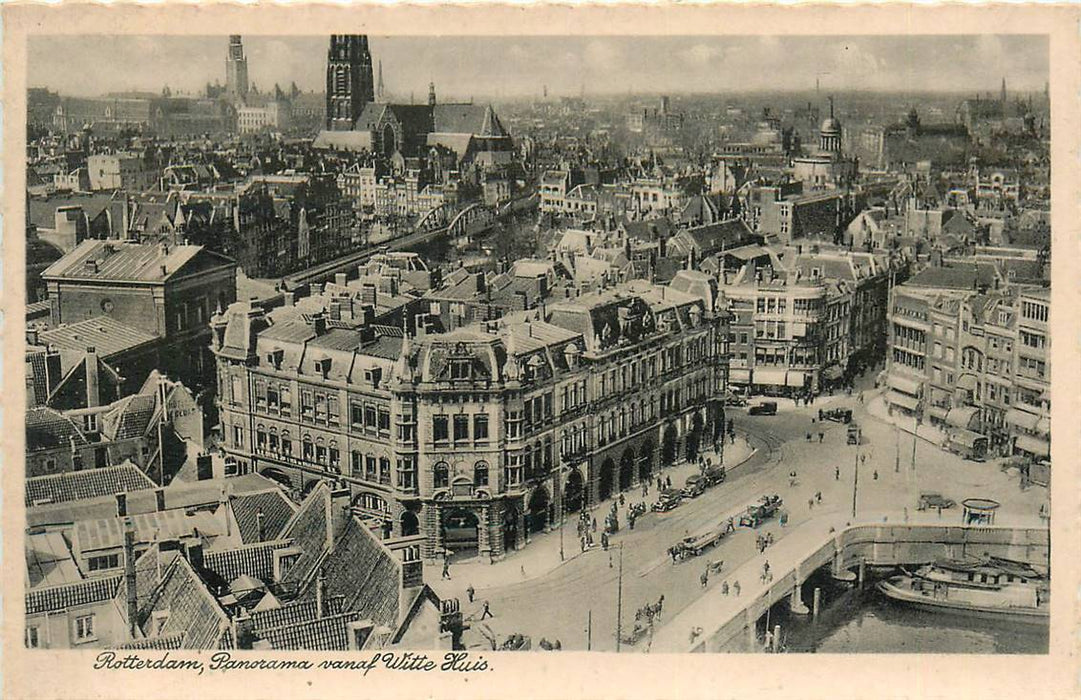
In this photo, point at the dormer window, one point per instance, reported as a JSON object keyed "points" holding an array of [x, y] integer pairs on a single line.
{"points": [[373, 376], [322, 366], [284, 560], [461, 369], [274, 358]]}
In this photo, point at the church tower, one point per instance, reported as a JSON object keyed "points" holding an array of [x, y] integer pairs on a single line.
{"points": [[236, 70], [380, 89], [349, 80]]}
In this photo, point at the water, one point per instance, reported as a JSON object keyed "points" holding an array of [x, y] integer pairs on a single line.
{"points": [[854, 620]]}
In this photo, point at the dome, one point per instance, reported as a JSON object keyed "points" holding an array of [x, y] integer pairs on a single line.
{"points": [[831, 125]]}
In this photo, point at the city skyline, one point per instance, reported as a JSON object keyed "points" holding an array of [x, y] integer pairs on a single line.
{"points": [[464, 67]]}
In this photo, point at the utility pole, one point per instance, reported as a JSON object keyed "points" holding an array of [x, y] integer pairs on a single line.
{"points": [[897, 458], [619, 601], [589, 630], [855, 480]]}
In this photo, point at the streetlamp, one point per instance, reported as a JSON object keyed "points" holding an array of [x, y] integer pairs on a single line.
{"points": [[856, 477]]}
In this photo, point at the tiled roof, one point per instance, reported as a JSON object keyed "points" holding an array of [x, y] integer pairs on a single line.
{"points": [[191, 607], [255, 560], [308, 530], [47, 428], [89, 483], [57, 598], [48, 559], [276, 509], [129, 417], [292, 613], [365, 572], [328, 633], [160, 643]]}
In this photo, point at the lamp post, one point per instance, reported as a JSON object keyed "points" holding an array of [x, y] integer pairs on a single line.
{"points": [[855, 477], [562, 511], [619, 601]]}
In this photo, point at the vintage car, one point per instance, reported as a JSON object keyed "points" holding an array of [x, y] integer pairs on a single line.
{"points": [[731, 399], [766, 408], [838, 415], [855, 434], [715, 475], [929, 500], [696, 486], [766, 508], [669, 499]]}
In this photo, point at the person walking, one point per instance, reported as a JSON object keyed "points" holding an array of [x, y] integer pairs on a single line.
{"points": [[486, 612], [668, 480], [875, 475], [446, 569], [735, 588], [818, 496], [724, 588], [469, 593], [810, 504], [836, 473], [821, 437], [704, 578]]}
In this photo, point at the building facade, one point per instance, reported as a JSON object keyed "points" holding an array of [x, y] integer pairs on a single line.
{"points": [[478, 437]]}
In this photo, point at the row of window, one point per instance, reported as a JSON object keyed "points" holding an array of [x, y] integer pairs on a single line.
{"points": [[445, 427]]}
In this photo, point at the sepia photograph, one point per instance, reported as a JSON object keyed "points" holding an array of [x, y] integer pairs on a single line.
{"points": [[407, 350]]}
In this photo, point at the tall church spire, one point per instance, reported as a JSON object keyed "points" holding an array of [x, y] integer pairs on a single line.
{"points": [[380, 89], [236, 69], [431, 94], [349, 80], [1003, 95]]}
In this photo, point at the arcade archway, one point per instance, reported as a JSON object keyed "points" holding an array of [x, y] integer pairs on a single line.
{"points": [[607, 480], [573, 492], [626, 470], [668, 445], [537, 516], [461, 532], [645, 461], [410, 524]]}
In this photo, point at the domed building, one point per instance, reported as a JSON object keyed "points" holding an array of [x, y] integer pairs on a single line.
{"points": [[827, 168]]}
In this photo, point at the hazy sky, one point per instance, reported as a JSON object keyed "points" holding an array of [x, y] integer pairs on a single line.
{"points": [[508, 66]]}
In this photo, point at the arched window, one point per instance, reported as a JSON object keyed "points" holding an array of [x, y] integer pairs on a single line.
{"points": [[384, 470], [480, 474], [441, 475], [307, 449]]}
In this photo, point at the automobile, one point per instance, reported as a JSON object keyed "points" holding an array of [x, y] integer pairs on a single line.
{"points": [[855, 435], [934, 500], [766, 408], [731, 399], [838, 415], [715, 475], [696, 486], [669, 499]]}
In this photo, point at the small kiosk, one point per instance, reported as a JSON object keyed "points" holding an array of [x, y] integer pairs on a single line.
{"points": [[979, 511]]}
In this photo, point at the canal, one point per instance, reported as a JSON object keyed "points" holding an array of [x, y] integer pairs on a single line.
{"points": [[854, 620]]}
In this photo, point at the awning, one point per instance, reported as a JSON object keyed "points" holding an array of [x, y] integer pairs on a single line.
{"points": [[797, 379], [1035, 446], [904, 384], [770, 375], [962, 416], [939, 412], [967, 438], [739, 375], [967, 382], [904, 400], [1022, 419], [833, 372]]}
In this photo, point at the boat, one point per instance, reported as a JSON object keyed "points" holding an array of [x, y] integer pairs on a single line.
{"points": [[984, 587]]}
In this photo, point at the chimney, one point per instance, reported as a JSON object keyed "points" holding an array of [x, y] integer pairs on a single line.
{"points": [[368, 294], [31, 336], [193, 552], [340, 279], [129, 575], [93, 390], [260, 521], [335, 311], [319, 323], [159, 496], [315, 288], [479, 281], [321, 594], [121, 505], [289, 298]]}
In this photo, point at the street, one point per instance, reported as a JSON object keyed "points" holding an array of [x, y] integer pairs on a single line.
{"points": [[565, 602]]}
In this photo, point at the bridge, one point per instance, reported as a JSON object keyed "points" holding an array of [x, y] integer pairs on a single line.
{"points": [[724, 619]]}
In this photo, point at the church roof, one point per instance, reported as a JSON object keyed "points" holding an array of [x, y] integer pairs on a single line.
{"points": [[472, 119]]}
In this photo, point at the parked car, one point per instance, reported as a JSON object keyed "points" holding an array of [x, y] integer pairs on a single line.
{"points": [[838, 415], [766, 408], [669, 499], [696, 486], [731, 399], [715, 475], [935, 500]]}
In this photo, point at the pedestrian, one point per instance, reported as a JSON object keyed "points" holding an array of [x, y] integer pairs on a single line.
{"points": [[765, 566], [446, 569], [808, 437], [704, 578], [836, 473], [622, 500], [769, 539], [875, 475], [735, 588], [821, 437], [469, 593], [863, 459], [523, 571], [487, 612], [668, 480], [731, 438], [820, 414], [810, 504], [724, 588], [818, 496], [906, 514], [594, 524]]}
